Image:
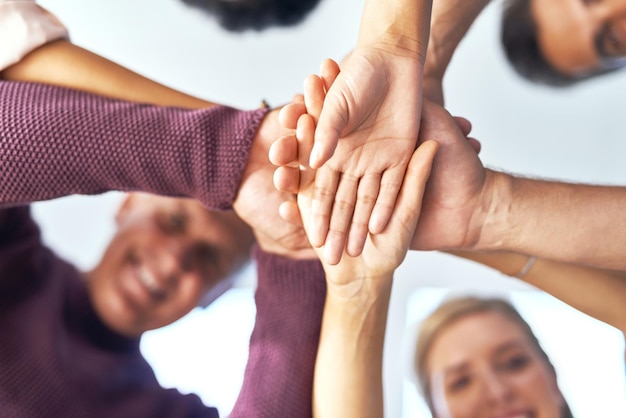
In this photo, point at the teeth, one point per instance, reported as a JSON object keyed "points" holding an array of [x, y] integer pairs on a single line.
{"points": [[148, 279]]}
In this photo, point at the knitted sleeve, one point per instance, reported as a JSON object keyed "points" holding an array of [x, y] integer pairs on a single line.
{"points": [[278, 380], [56, 141]]}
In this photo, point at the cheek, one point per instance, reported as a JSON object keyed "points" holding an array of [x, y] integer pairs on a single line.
{"points": [[184, 299], [464, 404], [459, 406], [539, 386]]}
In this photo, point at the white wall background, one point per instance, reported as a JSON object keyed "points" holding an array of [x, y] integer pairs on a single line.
{"points": [[576, 134]]}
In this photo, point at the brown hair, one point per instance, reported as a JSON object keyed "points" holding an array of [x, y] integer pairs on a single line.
{"points": [[454, 309]]}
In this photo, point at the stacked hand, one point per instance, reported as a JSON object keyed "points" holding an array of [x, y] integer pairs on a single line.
{"points": [[258, 201], [372, 105]]}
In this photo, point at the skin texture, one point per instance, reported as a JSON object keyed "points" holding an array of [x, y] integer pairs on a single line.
{"points": [[360, 175], [165, 256], [348, 375], [599, 293], [482, 366], [574, 35]]}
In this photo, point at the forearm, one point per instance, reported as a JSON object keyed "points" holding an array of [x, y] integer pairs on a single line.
{"points": [[403, 25], [348, 373], [567, 222], [65, 64], [61, 141], [451, 19], [596, 292]]}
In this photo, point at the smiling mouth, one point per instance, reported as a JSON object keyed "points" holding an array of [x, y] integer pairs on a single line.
{"points": [[147, 279], [526, 414]]}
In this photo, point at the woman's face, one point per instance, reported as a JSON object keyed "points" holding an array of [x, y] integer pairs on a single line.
{"points": [[483, 366]]}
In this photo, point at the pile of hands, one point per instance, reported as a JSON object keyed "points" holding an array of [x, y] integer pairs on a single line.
{"points": [[357, 177]]}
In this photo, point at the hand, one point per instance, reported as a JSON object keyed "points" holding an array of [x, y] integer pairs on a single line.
{"points": [[453, 210], [382, 252], [258, 201], [372, 105]]}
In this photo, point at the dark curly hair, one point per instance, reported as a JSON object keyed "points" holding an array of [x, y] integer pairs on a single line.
{"points": [[519, 39], [242, 15]]}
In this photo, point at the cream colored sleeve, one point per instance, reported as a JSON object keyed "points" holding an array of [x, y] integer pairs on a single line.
{"points": [[25, 26]]}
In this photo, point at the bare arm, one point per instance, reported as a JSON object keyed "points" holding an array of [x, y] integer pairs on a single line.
{"points": [[597, 292], [450, 21], [348, 371], [65, 64], [577, 223]]}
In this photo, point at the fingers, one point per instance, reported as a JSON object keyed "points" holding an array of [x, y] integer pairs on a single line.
{"points": [[341, 218], [305, 131], [284, 151], [332, 120], [289, 114], [287, 179], [409, 202], [366, 198], [475, 143], [390, 187], [464, 125], [326, 182], [314, 95], [289, 211], [329, 70]]}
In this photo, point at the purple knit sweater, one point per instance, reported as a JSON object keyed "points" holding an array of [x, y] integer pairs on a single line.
{"points": [[57, 358]]}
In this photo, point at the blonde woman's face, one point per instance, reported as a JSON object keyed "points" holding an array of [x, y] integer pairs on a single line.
{"points": [[483, 366]]}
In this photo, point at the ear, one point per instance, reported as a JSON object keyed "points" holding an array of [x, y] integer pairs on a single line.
{"points": [[125, 208]]}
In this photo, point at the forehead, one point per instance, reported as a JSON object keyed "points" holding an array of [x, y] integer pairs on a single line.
{"points": [[473, 337]]}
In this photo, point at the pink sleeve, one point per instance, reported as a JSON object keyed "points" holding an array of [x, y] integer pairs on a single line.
{"points": [[56, 141], [25, 26]]}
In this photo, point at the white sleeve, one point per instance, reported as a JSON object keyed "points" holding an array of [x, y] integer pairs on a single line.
{"points": [[25, 26]]}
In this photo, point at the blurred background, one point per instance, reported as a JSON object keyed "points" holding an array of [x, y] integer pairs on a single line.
{"points": [[576, 134]]}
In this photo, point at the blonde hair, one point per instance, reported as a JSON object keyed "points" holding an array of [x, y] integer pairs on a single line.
{"points": [[451, 311]]}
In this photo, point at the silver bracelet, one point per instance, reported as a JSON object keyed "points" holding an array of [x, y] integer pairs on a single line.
{"points": [[529, 264]]}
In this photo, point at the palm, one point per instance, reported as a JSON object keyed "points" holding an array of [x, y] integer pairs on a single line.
{"points": [[373, 105], [383, 252]]}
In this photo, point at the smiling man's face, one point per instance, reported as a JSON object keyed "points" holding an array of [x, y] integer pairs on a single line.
{"points": [[166, 255], [579, 37]]}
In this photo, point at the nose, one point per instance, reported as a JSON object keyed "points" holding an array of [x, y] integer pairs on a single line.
{"points": [[496, 388], [168, 264]]}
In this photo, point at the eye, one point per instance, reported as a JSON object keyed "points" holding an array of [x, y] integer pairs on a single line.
{"points": [[204, 258], [459, 383], [173, 223], [516, 363]]}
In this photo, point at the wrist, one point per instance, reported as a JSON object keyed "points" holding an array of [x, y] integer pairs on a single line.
{"points": [[492, 223], [401, 26], [359, 291]]}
